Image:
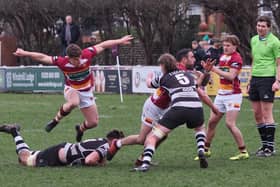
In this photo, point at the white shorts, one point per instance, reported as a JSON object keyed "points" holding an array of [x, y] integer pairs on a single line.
{"points": [[226, 103], [151, 113], [86, 97]]}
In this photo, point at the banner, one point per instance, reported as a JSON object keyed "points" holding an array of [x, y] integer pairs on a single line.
{"points": [[106, 80], [20, 79], [139, 76], [244, 76], [49, 79], [2, 79]]}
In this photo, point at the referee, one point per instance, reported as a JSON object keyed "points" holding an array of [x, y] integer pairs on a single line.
{"points": [[265, 81]]}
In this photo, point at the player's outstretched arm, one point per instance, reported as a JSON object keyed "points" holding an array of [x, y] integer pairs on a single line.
{"points": [[34, 55], [126, 40]]}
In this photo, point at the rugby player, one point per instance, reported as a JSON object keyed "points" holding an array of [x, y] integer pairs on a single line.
{"points": [[186, 62], [186, 108], [78, 81], [229, 96], [91, 152], [153, 109], [157, 104]]}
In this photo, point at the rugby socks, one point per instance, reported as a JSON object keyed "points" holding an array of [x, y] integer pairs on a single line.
{"points": [[84, 127], [262, 132], [61, 113], [148, 154], [200, 140], [52, 124], [242, 149], [270, 134], [207, 146], [20, 144]]}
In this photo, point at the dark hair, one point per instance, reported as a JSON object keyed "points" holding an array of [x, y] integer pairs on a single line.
{"points": [[73, 51], [233, 39], [182, 53], [114, 134], [264, 19], [168, 61], [194, 42]]}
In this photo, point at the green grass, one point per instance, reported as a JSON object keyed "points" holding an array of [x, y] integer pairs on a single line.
{"points": [[175, 156]]}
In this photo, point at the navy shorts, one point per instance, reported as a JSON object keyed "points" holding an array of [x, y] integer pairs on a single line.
{"points": [[261, 89], [176, 116]]}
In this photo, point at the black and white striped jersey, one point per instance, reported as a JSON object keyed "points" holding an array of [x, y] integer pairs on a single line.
{"points": [[181, 87], [76, 153]]}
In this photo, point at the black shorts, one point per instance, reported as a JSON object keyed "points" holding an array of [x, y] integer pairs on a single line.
{"points": [[49, 156], [261, 89], [176, 116]]}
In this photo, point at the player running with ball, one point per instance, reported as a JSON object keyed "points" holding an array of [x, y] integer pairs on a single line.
{"points": [[78, 81]]}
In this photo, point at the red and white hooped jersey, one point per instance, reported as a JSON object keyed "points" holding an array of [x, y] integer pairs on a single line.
{"points": [[160, 97], [225, 64], [79, 78]]}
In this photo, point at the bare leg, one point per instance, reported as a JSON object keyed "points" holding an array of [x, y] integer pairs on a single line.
{"points": [[91, 121], [231, 117], [211, 128], [139, 138], [73, 100]]}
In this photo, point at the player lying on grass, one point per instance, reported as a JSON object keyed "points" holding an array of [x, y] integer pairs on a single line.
{"points": [[78, 81], [91, 152]]}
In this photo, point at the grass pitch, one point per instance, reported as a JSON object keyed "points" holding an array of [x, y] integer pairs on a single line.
{"points": [[176, 165]]}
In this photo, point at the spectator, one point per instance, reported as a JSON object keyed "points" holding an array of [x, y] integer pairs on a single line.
{"points": [[215, 51], [199, 55], [70, 33]]}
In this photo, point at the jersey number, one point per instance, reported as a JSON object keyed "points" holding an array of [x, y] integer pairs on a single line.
{"points": [[182, 79]]}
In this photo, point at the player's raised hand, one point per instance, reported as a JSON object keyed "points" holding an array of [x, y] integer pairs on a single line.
{"points": [[19, 52], [126, 40], [208, 64]]}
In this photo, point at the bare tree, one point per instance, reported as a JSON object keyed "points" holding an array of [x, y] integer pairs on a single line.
{"points": [[155, 22], [240, 18]]}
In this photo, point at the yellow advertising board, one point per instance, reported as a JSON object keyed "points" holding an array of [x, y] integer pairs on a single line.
{"points": [[213, 86]]}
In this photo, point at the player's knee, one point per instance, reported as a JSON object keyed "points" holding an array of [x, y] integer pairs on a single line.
{"points": [[73, 104], [268, 118], [157, 132], [92, 123]]}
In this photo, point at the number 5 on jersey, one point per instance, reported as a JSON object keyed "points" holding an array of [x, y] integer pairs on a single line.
{"points": [[182, 79]]}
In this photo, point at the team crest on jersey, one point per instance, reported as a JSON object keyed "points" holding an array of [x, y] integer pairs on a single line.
{"points": [[225, 58], [83, 62], [157, 93], [235, 65]]}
